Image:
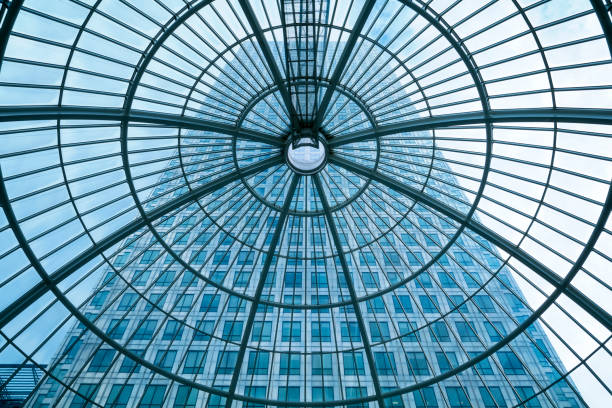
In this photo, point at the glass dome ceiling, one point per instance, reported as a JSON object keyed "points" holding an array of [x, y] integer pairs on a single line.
{"points": [[146, 146]]}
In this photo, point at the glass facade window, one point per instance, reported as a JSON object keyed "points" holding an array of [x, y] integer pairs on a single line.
{"points": [[425, 398], [232, 330], [258, 362], [153, 397], [204, 329], [291, 331], [226, 362], [262, 331], [356, 392], [210, 303], [101, 360], [379, 331], [457, 397], [145, 330], [116, 328], [402, 304], [322, 364], [385, 363], [321, 332], [349, 331], [194, 362], [353, 363], [417, 363], [85, 390], [492, 397], [173, 330], [165, 359], [119, 396], [289, 364], [510, 363], [186, 397]]}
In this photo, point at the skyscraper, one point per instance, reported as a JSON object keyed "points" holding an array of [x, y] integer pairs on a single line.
{"points": [[305, 258]]}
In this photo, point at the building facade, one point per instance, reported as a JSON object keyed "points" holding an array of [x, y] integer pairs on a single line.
{"points": [[432, 294]]}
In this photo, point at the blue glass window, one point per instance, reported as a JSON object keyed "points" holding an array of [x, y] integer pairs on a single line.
{"points": [[466, 331], [350, 331], [492, 397], [291, 331], [127, 301], [367, 259], [210, 303], [402, 304], [526, 392], [320, 332], [438, 332], [101, 360], [262, 331], [290, 364], [510, 363], [205, 329], [173, 330], [429, 304], [119, 396], [375, 305], [194, 362], [485, 303], [165, 359], [417, 363], [353, 363], [226, 362], [232, 330], [149, 256], [379, 331], [447, 361], [186, 397], [318, 279], [385, 363], [258, 362], [408, 327], [463, 258], [322, 364], [146, 330], [153, 397], [457, 397], [425, 398], [293, 279]]}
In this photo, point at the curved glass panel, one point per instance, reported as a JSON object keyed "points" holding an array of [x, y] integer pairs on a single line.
{"points": [[311, 203]]}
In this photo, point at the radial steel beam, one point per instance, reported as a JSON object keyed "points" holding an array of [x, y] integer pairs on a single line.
{"points": [[592, 116], [36, 292], [249, 13], [31, 113], [342, 61], [574, 294], [351, 288], [260, 285], [7, 25]]}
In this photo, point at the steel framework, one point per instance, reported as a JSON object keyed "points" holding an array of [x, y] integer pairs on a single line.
{"points": [[97, 113]]}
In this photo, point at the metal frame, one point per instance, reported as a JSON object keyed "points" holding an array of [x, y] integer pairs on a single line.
{"points": [[339, 82]]}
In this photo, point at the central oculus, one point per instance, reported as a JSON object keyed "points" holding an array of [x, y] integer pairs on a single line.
{"points": [[307, 153]]}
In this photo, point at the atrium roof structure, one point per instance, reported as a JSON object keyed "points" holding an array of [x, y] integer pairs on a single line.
{"points": [[501, 111]]}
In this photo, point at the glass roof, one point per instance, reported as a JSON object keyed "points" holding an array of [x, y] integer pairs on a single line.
{"points": [[154, 145]]}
